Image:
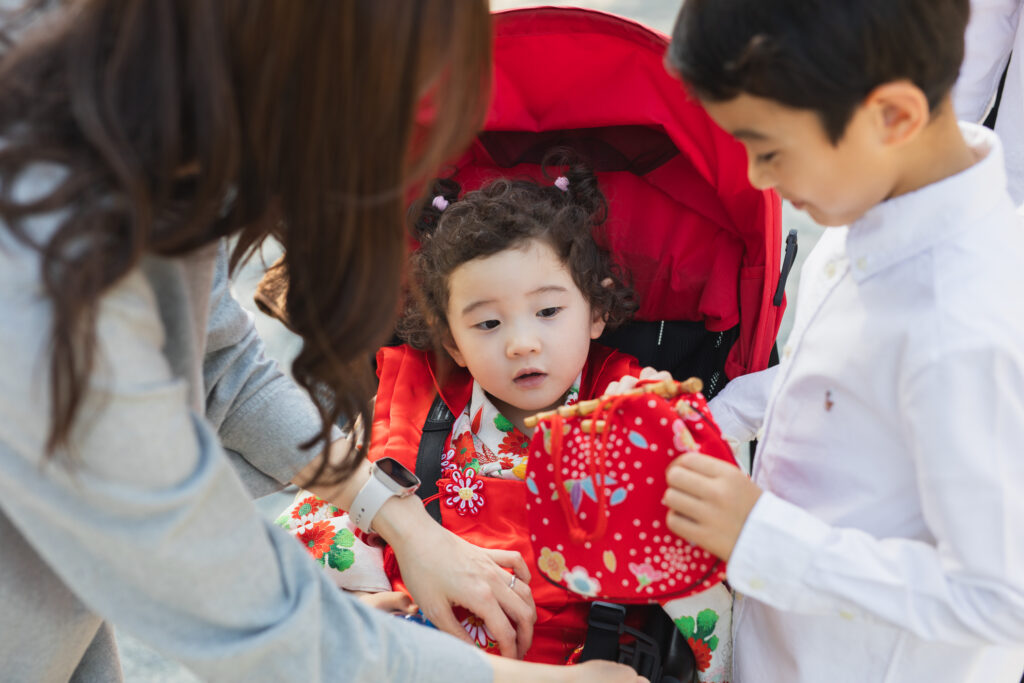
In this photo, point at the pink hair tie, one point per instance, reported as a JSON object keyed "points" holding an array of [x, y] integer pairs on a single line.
{"points": [[440, 203], [562, 183]]}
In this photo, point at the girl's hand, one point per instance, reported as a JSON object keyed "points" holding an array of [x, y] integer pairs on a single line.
{"points": [[395, 602], [629, 382], [441, 570]]}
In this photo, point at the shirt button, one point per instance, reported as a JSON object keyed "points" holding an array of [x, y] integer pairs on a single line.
{"points": [[787, 350], [830, 269], [862, 263]]}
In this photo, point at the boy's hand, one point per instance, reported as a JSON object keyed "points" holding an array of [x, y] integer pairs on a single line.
{"points": [[708, 502], [621, 386]]}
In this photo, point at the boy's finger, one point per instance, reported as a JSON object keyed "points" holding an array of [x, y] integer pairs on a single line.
{"points": [[687, 481], [704, 464], [683, 526], [683, 503]]}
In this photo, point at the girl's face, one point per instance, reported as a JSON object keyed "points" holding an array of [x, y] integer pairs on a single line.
{"points": [[521, 326]]}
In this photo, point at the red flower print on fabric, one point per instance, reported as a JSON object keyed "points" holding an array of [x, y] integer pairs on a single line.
{"points": [[701, 653], [464, 492], [307, 506], [464, 450], [317, 538], [514, 443]]}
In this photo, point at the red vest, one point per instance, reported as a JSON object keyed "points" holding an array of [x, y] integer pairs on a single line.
{"points": [[407, 389]]}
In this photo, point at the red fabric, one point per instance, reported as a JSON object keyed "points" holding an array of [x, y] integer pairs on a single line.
{"points": [[700, 242], [594, 503], [407, 386]]}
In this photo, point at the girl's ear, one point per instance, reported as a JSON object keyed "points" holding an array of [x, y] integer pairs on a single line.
{"points": [[598, 319], [448, 342], [597, 325]]}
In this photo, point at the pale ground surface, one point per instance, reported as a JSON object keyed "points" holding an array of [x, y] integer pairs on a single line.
{"points": [[142, 664]]}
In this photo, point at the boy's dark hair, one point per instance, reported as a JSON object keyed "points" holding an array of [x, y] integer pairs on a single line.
{"points": [[507, 214], [822, 55]]}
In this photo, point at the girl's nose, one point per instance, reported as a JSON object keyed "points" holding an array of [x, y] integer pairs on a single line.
{"points": [[522, 342]]}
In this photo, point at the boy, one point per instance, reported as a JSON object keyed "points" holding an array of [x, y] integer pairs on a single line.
{"points": [[882, 536]]}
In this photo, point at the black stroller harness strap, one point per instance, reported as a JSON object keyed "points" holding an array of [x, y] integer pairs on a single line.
{"points": [[428, 458]]}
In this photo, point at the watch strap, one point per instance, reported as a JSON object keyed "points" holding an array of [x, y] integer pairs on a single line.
{"points": [[368, 502]]}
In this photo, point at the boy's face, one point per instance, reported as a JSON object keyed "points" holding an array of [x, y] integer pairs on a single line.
{"points": [[788, 150], [521, 326]]}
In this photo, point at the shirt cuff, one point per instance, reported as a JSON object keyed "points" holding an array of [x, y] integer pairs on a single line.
{"points": [[775, 549]]}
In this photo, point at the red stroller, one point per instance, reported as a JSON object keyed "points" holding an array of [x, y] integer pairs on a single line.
{"points": [[702, 246]]}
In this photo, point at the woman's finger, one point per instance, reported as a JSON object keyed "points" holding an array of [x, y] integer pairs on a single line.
{"points": [[444, 619], [516, 601], [498, 618], [510, 559]]}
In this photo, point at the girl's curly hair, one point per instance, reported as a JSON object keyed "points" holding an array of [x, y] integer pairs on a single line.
{"points": [[507, 214]]}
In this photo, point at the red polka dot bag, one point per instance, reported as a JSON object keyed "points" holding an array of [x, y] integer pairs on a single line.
{"points": [[595, 480]]}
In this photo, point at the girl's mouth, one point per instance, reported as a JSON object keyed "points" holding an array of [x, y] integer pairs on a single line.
{"points": [[529, 378]]}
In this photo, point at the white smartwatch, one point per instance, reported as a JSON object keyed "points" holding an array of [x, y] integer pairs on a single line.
{"points": [[388, 478]]}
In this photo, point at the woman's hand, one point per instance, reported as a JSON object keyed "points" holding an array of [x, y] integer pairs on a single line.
{"points": [[441, 570], [629, 382]]}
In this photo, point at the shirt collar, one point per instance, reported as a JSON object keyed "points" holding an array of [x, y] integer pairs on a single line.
{"points": [[903, 226]]}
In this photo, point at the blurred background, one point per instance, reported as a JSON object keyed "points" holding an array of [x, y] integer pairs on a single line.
{"points": [[142, 664]]}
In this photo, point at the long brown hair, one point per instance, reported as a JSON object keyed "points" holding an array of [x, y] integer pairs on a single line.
{"points": [[183, 121]]}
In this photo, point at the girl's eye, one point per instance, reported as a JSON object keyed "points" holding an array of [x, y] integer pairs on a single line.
{"points": [[765, 158], [487, 325], [549, 312]]}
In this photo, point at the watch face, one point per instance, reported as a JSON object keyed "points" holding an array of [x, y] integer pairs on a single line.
{"points": [[397, 472]]}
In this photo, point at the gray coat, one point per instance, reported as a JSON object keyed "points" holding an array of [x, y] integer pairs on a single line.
{"points": [[152, 528]]}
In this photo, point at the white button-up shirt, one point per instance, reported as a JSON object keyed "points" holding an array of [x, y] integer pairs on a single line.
{"points": [[889, 542], [992, 34]]}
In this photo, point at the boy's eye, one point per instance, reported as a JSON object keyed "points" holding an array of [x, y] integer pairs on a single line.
{"points": [[487, 325], [549, 312], [765, 158]]}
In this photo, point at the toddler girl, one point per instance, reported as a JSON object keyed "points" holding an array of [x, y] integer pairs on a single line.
{"points": [[511, 285]]}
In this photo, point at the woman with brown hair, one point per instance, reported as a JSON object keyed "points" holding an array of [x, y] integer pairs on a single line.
{"points": [[134, 137]]}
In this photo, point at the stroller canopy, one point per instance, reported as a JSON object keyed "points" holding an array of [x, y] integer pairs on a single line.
{"points": [[699, 243]]}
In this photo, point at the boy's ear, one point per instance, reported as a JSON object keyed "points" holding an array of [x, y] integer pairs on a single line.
{"points": [[448, 342], [900, 111]]}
